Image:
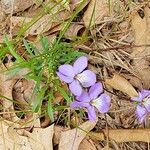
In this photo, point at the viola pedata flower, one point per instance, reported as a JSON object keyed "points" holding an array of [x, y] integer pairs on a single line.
{"points": [[75, 75], [143, 106], [92, 99]]}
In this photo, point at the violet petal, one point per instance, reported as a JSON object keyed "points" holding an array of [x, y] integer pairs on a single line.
{"points": [[87, 78], [76, 104], [145, 93], [80, 64], [141, 113], [66, 70], [95, 90], [146, 103], [64, 78], [75, 88], [102, 103], [84, 97], [141, 96], [91, 113]]}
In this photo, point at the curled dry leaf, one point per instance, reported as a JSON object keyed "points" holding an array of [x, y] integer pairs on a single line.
{"points": [[140, 55], [6, 87], [23, 91], [75, 136], [73, 30], [120, 83], [95, 12], [87, 144]]}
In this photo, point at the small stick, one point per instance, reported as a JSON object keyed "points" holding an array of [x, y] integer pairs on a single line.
{"points": [[118, 47]]}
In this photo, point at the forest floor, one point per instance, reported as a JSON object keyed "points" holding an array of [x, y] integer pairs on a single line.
{"points": [[36, 37]]}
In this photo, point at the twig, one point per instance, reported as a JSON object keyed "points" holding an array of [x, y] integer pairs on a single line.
{"points": [[118, 47]]}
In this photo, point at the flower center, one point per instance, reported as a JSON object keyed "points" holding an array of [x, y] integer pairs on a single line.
{"points": [[81, 77], [95, 102], [146, 101]]}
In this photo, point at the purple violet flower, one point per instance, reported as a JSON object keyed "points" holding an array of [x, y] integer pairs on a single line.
{"points": [[143, 107], [91, 100], [75, 75]]}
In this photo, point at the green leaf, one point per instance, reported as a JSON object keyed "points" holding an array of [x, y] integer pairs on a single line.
{"points": [[12, 50], [38, 100], [50, 108], [64, 94], [28, 48]]}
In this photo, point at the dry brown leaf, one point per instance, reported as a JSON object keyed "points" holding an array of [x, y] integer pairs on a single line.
{"points": [[7, 83], [41, 138], [15, 6], [120, 83], [11, 138], [42, 25], [96, 10], [23, 94], [6, 87], [75, 3], [123, 135], [87, 144], [141, 36], [64, 3], [141, 29], [57, 133], [72, 31], [75, 136], [107, 148]]}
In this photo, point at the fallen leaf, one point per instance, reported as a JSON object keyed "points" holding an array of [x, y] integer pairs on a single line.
{"points": [[75, 3], [95, 12], [41, 26], [13, 138], [57, 134], [120, 83], [41, 138], [107, 148], [72, 31], [75, 136], [141, 29], [123, 135], [38, 27], [10, 139], [6, 87], [87, 144], [64, 3], [15, 6]]}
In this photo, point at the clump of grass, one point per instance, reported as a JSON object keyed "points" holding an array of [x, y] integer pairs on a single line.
{"points": [[42, 65]]}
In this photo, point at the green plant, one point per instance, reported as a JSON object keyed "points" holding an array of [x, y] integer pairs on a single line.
{"points": [[42, 65]]}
